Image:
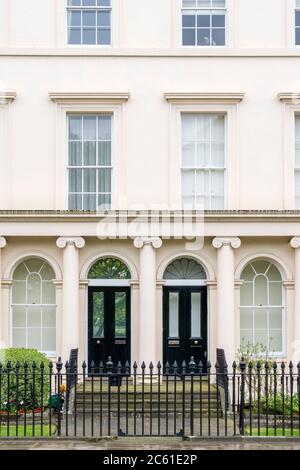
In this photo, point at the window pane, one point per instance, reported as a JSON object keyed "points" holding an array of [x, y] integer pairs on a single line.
{"points": [[297, 18], [103, 36], [260, 318], [33, 289], [19, 316], [218, 37], [49, 317], [89, 18], [104, 181], [75, 127], [74, 36], [21, 272], [19, 292], [104, 127], [49, 339], [103, 18], [89, 127], [75, 202], [261, 290], [98, 314], [275, 318], [104, 201], [173, 314], [75, 181], [104, 153], [188, 128], [89, 181], [34, 264], [261, 266], [203, 37], [89, 202], [75, 153], [247, 293], [188, 37], [34, 338], [196, 315], [74, 18], [261, 336], [19, 338], [275, 293], [120, 314], [189, 19], [297, 36], [247, 336], [248, 273], [48, 294], [203, 155], [89, 153], [275, 341], [34, 317], [246, 318], [188, 183], [203, 19], [218, 19], [88, 36], [189, 3], [218, 127]]}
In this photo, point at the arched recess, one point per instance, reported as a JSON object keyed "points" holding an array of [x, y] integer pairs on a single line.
{"points": [[284, 269], [112, 255], [33, 305], [9, 270], [209, 271], [262, 305]]}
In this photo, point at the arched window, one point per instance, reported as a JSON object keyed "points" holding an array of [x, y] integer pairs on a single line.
{"points": [[262, 306], [184, 268], [33, 306], [109, 268]]}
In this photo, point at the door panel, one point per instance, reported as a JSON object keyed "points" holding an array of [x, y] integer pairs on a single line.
{"points": [[109, 324], [185, 324]]}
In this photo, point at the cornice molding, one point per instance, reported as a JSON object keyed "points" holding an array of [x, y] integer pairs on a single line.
{"points": [[89, 97], [289, 97], [7, 97], [204, 98]]}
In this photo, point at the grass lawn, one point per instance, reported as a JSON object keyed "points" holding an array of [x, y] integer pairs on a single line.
{"points": [[29, 431], [271, 432]]}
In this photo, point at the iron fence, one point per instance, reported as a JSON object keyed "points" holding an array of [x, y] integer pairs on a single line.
{"points": [[260, 399]]}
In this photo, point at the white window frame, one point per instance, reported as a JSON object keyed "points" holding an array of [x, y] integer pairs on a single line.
{"points": [[283, 307], [62, 26], [291, 108], [294, 22], [47, 353], [178, 106], [96, 168], [195, 169], [78, 104], [182, 9]]}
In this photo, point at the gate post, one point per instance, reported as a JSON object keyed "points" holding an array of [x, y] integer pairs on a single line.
{"points": [[242, 399]]}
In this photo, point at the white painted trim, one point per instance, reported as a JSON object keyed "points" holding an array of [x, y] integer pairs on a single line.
{"points": [[109, 283], [118, 172], [185, 282], [85, 98], [204, 98], [232, 150]]}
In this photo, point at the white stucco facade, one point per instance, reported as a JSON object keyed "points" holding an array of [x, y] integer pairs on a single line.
{"points": [[146, 80]]}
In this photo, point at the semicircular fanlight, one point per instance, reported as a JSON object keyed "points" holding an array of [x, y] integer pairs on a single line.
{"points": [[109, 268], [184, 268]]}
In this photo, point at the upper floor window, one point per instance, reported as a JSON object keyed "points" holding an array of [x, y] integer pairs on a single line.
{"points": [[297, 162], [89, 22], [203, 161], [203, 22], [90, 162], [297, 23]]}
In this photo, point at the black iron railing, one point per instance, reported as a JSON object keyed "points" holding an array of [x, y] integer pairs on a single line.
{"points": [[260, 399]]}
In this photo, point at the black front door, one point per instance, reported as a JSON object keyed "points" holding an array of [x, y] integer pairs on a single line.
{"points": [[185, 324], [109, 324]]}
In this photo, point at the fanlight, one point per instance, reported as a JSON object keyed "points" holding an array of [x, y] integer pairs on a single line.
{"points": [[109, 268], [184, 268]]}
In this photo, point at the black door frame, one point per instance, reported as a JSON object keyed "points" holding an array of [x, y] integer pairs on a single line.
{"points": [[108, 323], [204, 321]]}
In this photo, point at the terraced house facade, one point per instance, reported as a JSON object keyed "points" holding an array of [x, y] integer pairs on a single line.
{"points": [[150, 177]]}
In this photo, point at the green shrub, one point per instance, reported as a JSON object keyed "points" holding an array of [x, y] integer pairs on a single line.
{"points": [[282, 405], [27, 389]]}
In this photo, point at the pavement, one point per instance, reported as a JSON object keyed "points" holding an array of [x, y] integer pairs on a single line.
{"points": [[151, 444]]}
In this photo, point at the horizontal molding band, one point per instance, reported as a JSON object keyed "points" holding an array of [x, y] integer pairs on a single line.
{"points": [[7, 96], [210, 97], [89, 97]]}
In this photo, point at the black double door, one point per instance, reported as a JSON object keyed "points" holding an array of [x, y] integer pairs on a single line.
{"points": [[109, 324], [185, 324]]}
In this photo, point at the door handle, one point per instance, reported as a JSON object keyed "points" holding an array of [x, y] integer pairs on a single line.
{"points": [[98, 341]]}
